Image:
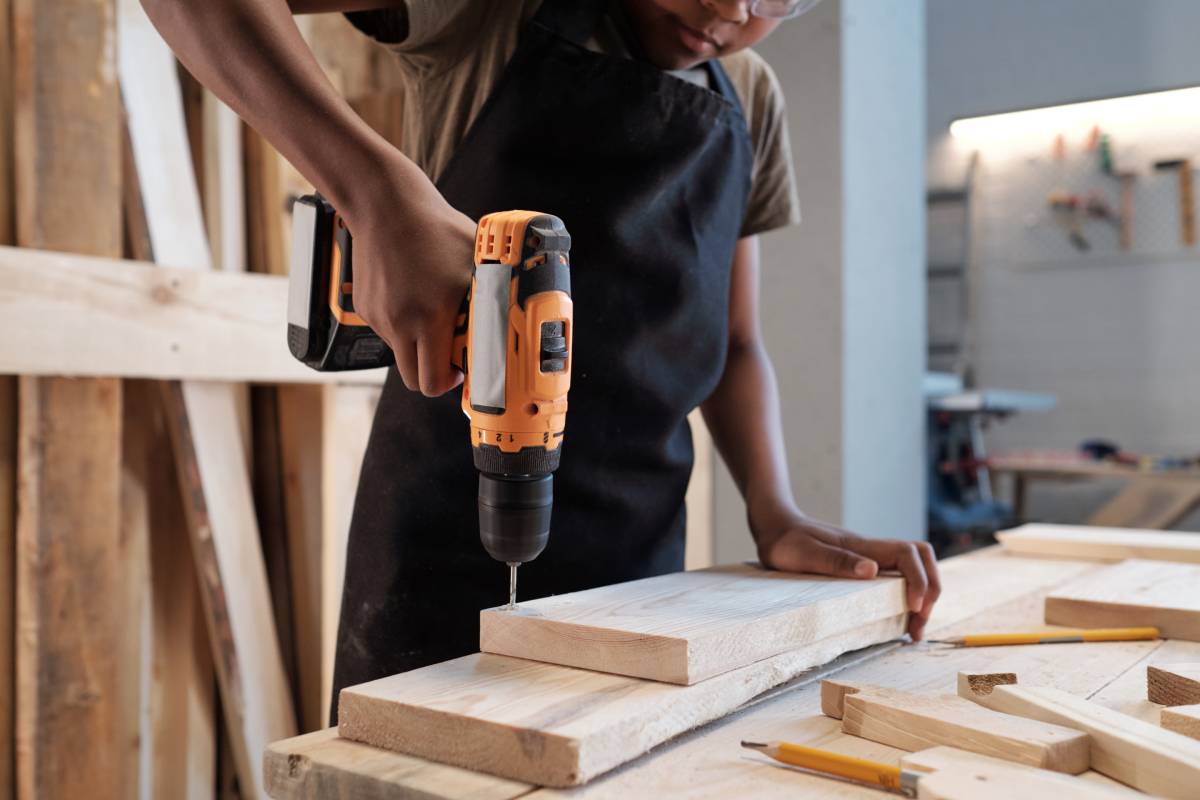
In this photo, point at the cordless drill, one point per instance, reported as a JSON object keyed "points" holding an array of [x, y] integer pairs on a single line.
{"points": [[512, 340]]}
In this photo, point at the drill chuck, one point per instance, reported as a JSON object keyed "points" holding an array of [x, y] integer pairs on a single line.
{"points": [[514, 515]]}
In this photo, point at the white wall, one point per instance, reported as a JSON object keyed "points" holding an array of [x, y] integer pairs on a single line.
{"points": [[1115, 339], [842, 305]]}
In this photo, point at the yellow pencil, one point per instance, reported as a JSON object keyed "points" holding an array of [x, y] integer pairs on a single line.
{"points": [[1052, 637], [843, 766]]}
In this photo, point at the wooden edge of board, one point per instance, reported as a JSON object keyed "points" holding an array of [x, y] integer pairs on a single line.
{"points": [[1173, 684], [973, 685], [833, 696], [1182, 719]]}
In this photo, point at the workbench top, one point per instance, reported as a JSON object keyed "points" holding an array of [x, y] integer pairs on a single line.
{"points": [[983, 591]]}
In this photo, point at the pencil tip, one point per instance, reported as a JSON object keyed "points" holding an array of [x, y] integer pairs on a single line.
{"points": [[754, 745]]}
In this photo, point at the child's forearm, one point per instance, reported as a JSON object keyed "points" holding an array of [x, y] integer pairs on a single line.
{"points": [[250, 54]]}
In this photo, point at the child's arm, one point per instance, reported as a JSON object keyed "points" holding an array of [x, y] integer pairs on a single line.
{"points": [[412, 251], [743, 415]]}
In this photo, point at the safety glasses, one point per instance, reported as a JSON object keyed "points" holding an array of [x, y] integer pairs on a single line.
{"points": [[780, 9]]}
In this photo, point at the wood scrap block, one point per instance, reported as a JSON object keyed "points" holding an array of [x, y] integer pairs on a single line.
{"points": [[1137, 753], [1111, 544], [687, 626], [1132, 593], [554, 725], [1182, 719], [954, 774], [323, 766], [1173, 684], [913, 721]]}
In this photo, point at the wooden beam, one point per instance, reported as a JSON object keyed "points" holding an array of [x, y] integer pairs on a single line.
{"points": [[1132, 593], [1134, 752], [914, 722], [1107, 544], [558, 726], [687, 626], [1182, 719], [202, 419], [322, 766], [954, 774], [113, 317], [1153, 502], [1173, 684], [70, 566], [8, 424]]}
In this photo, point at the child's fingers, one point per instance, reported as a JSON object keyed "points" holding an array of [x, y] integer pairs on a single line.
{"points": [[436, 375], [406, 363], [811, 555]]}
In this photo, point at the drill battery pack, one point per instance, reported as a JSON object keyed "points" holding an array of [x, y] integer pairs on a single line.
{"points": [[324, 331]]}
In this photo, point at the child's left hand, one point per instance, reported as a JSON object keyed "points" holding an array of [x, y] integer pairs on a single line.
{"points": [[794, 542]]}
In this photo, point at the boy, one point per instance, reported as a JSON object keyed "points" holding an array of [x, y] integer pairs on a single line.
{"points": [[660, 140]]}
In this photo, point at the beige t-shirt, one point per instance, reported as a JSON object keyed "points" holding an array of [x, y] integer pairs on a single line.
{"points": [[452, 53]]}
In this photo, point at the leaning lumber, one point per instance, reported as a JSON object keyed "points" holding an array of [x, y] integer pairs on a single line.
{"points": [[954, 774], [687, 626], [1182, 719], [1131, 594], [71, 713], [1106, 544], [1173, 684], [1124, 748], [553, 725], [113, 317], [321, 765], [202, 419], [913, 721]]}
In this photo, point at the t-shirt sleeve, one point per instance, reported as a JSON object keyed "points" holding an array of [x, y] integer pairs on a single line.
{"points": [[424, 29], [774, 201]]}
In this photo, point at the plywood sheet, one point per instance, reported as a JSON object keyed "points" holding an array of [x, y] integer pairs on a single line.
{"points": [[687, 626], [1132, 593], [1111, 544], [553, 725]]}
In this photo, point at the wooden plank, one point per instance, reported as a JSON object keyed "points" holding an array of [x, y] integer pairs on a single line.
{"points": [[1182, 719], [1127, 692], [552, 725], [1151, 502], [322, 766], [70, 563], [687, 626], [916, 721], [202, 420], [955, 774], [1110, 544], [1173, 684], [1132, 593], [129, 318], [1134, 752], [8, 520]]}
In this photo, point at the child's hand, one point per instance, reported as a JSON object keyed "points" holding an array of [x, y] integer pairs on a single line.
{"points": [[412, 266], [795, 543]]}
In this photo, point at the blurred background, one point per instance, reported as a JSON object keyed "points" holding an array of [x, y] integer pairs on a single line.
{"points": [[986, 317]]}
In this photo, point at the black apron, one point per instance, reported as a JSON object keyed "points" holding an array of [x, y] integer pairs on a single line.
{"points": [[651, 174]]}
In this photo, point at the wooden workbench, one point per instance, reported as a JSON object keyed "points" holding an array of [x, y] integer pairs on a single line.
{"points": [[986, 590]]}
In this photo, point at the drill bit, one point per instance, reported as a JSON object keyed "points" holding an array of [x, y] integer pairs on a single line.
{"points": [[512, 585]]}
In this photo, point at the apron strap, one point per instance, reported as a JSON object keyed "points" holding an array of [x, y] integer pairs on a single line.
{"points": [[573, 20]]}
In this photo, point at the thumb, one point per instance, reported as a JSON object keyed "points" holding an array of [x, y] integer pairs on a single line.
{"points": [[825, 559]]}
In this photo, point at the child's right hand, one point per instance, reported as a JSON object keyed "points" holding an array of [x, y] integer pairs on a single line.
{"points": [[412, 267]]}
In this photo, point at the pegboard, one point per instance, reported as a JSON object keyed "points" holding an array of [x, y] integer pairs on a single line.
{"points": [[1015, 219]]}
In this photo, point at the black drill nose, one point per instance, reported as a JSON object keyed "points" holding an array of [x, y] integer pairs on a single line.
{"points": [[514, 515]]}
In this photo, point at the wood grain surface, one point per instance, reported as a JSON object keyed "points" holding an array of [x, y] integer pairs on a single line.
{"points": [[1137, 753], [687, 626], [1173, 684], [1133, 593], [954, 774], [554, 725], [1110, 544], [1182, 719], [912, 721]]}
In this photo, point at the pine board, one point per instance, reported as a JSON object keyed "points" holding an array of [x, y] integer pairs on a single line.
{"points": [[956, 774], [553, 725], [1111, 544], [687, 626], [1173, 684], [914, 722], [1132, 593], [1182, 719], [1135, 752]]}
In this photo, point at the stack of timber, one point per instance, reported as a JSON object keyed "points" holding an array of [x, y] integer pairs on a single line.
{"points": [[555, 725]]}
